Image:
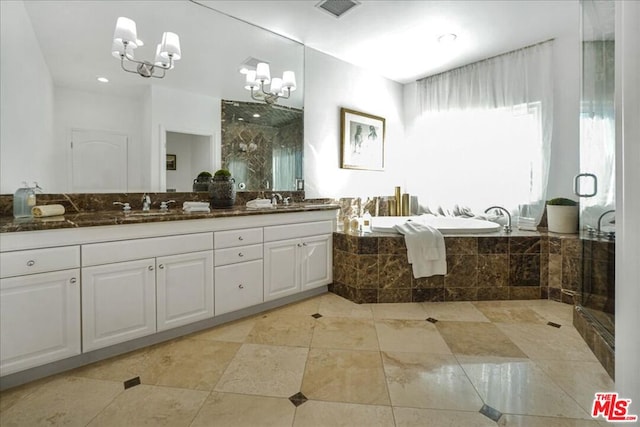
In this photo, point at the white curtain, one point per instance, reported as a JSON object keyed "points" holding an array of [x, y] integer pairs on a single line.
{"points": [[284, 168], [485, 132]]}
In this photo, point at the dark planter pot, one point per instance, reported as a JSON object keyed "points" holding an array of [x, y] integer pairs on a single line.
{"points": [[201, 184], [222, 191]]}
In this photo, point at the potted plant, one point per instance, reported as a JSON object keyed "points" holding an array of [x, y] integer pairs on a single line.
{"points": [[562, 215], [201, 183], [222, 189]]}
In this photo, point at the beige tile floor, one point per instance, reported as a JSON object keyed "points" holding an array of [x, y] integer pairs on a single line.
{"points": [[358, 365]]}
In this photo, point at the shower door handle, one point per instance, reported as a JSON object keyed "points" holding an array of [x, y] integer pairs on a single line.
{"points": [[576, 185]]}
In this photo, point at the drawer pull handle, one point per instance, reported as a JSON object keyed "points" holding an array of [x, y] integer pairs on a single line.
{"points": [[31, 263], [73, 280], [240, 254], [241, 286], [151, 268], [240, 238], [161, 266]]}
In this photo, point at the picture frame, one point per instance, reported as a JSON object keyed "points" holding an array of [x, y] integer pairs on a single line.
{"points": [[362, 140], [172, 162]]}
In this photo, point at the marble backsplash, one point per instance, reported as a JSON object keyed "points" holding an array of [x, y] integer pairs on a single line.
{"points": [[99, 202]]}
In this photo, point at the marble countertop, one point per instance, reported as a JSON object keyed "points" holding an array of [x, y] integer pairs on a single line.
{"points": [[92, 219]]}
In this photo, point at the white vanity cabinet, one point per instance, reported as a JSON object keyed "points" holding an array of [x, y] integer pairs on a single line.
{"points": [[133, 288], [297, 257], [39, 307], [238, 271]]}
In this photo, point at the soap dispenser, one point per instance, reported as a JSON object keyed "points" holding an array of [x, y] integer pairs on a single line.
{"points": [[21, 208]]}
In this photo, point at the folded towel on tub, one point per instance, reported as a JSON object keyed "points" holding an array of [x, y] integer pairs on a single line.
{"points": [[425, 249]]}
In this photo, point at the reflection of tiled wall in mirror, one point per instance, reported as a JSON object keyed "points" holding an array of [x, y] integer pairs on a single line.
{"points": [[248, 142]]}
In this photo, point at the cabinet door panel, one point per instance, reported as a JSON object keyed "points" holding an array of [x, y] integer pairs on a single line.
{"points": [[281, 269], [238, 286], [39, 319], [316, 261], [184, 289], [118, 302]]}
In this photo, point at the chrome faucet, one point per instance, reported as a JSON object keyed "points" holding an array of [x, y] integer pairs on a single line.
{"points": [[275, 197], [146, 202], [599, 233], [506, 228]]}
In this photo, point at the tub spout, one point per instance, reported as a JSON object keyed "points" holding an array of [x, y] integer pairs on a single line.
{"points": [[599, 233], [506, 228]]}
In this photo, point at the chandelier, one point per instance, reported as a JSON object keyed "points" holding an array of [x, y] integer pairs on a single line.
{"points": [[125, 40], [257, 80]]}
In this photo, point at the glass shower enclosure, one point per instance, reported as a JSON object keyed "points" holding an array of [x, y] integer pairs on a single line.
{"points": [[596, 183]]}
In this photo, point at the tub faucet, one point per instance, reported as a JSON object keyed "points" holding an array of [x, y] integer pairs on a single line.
{"points": [[146, 202], [599, 233], [506, 228], [275, 197]]}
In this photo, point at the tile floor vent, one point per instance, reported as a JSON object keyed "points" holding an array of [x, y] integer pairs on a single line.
{"points": [[337, 8]]}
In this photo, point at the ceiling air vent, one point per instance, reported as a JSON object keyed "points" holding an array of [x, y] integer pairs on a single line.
{"points": [[337, 7]]}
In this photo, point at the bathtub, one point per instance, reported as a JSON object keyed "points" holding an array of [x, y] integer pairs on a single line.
{"points": [[445, 224]]}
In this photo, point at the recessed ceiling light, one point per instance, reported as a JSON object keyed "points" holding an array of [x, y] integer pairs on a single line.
{"points": [[103, 79], [240, 119], [256, 115], [447, 38]]}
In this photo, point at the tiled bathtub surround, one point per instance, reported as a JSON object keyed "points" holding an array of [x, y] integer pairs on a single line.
{"points": [[373, 268]]}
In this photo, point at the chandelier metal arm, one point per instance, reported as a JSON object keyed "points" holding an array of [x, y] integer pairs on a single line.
{"points": [[269, 98], [146, 69]]}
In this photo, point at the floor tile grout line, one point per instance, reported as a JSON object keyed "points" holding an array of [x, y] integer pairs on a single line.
{"points": [[204, 401]]}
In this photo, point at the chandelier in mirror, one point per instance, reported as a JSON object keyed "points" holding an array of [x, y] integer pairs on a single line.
{"points": [[258, 79], [125, 40]]}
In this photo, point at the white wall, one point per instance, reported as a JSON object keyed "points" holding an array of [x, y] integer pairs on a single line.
{"points": [[178, 111], [628, 202], [76, 109], [329, 85], [192, 154], [27, 92]]}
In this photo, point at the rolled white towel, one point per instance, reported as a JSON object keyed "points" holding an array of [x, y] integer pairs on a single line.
{"points": [[259, 203], [47, 210], [191, 205], [196, 209]]}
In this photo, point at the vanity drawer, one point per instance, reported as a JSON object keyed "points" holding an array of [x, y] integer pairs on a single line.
{"points": [[128, 250], [295, 231], [239, 254], [238, 286], [234, 238], [19, 263]]}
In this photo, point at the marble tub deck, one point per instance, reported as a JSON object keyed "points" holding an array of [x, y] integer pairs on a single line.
{"points": [[327, 361]]}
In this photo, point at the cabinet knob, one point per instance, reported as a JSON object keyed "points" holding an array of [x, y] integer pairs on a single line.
{"points": [[241, 286], [240, 238], [299, 245], [304, 244], [73, 280], [31, 263], [240, 254], [161, 266], [151, 268]]}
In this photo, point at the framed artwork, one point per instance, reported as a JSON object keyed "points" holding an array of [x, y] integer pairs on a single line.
{"points": [[362, 139], [171, 162]]}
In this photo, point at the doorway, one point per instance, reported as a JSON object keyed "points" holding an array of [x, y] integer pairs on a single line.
{"points": [[187, 155]]}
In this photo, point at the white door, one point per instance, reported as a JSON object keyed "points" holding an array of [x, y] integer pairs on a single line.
{"points": [[281, 268], [99, 161], [184, 289], [317, 264], [118, 303], [39, 319]]}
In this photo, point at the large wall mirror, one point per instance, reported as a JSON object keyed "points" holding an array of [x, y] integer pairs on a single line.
{"points": [[52, 103]]}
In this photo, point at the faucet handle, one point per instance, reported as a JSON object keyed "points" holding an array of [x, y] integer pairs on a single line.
{"points": [[286, 200], [126, 208]]}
